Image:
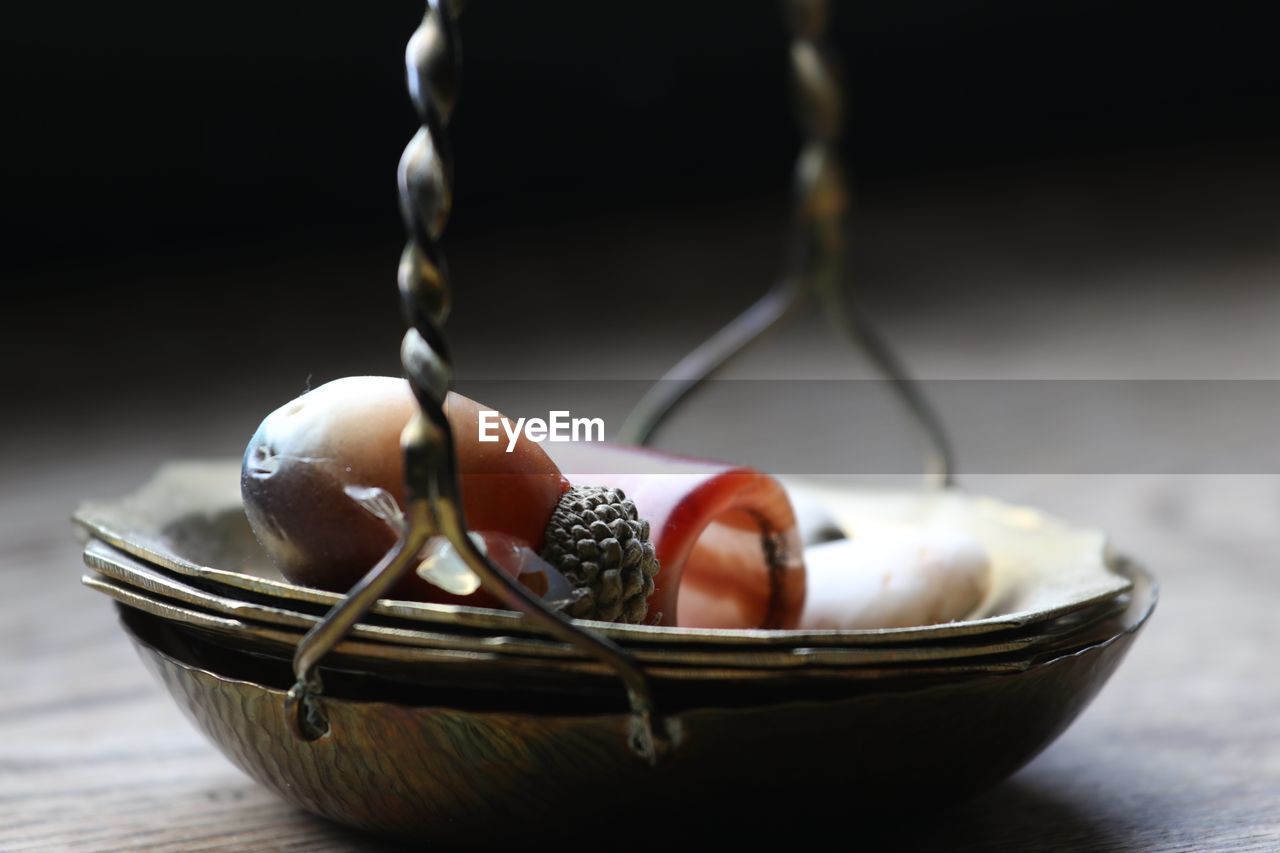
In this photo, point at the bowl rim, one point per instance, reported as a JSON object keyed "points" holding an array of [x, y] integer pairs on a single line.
{"points": [[1138, 613], [118, 567], [117, 522]]}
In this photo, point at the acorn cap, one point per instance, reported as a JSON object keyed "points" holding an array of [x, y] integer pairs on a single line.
{"points": [[597, 541]]}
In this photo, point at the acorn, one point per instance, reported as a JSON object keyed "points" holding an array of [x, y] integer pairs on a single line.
{"points": [[600, 544]]}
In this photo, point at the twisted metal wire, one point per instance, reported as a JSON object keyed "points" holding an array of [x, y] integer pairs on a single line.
{"points": [[434, 504], [817, 257]]}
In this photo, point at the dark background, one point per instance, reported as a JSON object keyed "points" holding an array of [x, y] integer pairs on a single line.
{"points": [[200, 197], [156, 127], [200, 221]]}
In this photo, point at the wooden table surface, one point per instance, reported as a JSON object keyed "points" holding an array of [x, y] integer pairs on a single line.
{"points": [[1181, 751]]}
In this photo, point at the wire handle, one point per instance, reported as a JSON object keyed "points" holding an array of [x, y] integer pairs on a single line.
{"points": [[434, 505], [817, 258]]}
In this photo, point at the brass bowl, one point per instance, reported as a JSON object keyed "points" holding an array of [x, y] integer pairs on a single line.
{"points": [[476, 766]]}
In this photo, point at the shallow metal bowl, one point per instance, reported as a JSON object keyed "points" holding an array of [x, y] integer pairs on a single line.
{"points": [[458, 765]]}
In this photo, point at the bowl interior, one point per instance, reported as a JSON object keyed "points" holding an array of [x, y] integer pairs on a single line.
{"points": [[188, 519]]}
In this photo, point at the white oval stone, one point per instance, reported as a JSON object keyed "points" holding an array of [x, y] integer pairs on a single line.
{"points": [[894, 577]]}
